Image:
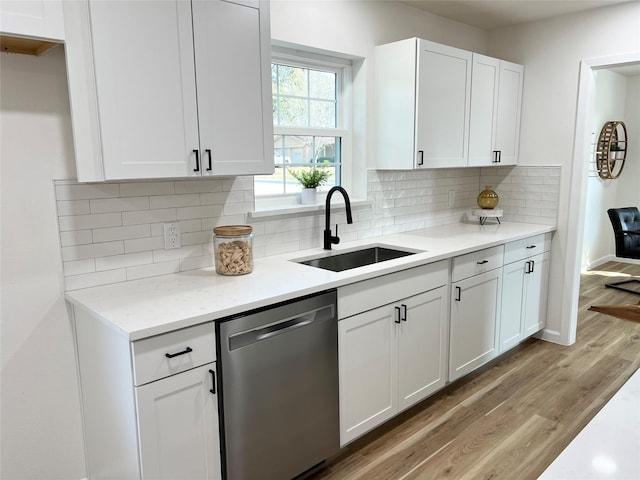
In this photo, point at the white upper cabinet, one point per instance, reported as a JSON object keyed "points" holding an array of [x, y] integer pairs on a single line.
{"points": [[443, 107], [422, 94], [496, 93], [32, 19], [182, 89], [31, 27]]}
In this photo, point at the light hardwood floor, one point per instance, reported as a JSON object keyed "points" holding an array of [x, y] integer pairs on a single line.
{"points": [[511, 418]]}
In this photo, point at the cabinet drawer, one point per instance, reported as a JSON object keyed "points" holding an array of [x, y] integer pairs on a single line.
{"points": [[163, 355], [369, 294], [478, 262], [527, 247]]}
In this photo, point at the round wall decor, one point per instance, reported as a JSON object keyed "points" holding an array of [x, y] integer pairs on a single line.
{"points": [[611, 151]]}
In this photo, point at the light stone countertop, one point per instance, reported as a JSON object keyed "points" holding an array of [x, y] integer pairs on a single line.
{"points": [[156, 305]]}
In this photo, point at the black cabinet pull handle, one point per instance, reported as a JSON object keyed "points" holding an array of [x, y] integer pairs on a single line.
{"points": [[397, 320], [459, 292], [197, 169], [527, 267], [495, 156], [499, 156], [403, 317], [482, 262], [530, 247], [533, 266], [213, 381], [420, 157], [208, 152], [186, 350]]}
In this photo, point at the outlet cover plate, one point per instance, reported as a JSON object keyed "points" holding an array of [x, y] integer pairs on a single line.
{"points": [[172, 236]]}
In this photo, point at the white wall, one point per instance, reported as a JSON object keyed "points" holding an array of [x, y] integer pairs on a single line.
{"points": [[551, 51], [628, 190], [41, 426], [611, 94]]}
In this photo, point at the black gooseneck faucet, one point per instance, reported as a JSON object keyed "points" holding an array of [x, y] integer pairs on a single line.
{"points": [[328, 238]]}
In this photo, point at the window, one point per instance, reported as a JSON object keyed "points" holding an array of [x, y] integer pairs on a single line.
{"points": [[309, 130]]}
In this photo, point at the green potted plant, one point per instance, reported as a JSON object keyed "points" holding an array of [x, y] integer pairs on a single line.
{"points": [[310, 181]]}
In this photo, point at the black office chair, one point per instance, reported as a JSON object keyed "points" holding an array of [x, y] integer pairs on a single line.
{"points": [[626, 228]]}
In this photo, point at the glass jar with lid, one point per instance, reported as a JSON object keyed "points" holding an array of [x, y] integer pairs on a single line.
{"points": [[233, 249]]}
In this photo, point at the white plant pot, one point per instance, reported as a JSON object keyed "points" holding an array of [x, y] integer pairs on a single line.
{"points": [[309, 196]]}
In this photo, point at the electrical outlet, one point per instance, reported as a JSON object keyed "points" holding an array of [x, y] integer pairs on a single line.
{"points": [[172, 235], [452, 197]]}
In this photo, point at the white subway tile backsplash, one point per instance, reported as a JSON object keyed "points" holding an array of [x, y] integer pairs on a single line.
{"points": [[83, 222], [114, 232], [178, 253], [122, 261], [73, 207], [74, 282], [149, 216], [76, 237], [190, 213], [66, 191], [78, 267], [121, 233], [143, 244], [169, 201], [93, 250], [107, 205], [153, 269], [198, 186], [146, 188]]}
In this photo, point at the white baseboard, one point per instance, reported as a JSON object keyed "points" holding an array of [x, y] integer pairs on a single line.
{"points": [[611, 258]]}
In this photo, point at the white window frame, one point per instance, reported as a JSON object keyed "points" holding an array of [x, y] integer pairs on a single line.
{"points": [[343, 68]]}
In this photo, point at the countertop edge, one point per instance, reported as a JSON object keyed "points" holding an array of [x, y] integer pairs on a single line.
{"points": [[173, 298]]}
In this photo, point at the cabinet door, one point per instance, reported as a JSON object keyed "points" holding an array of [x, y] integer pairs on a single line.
{"points": [[509, 105], [513, 276], [422, 346], [367, 359], [234, 86], [474, 322], [534, 309], [442, 106], [35, 18], [484, 110], [146, 91], [178, 426]]}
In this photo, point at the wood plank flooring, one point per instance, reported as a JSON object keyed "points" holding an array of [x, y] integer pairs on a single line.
{"points": [[511, 418]]}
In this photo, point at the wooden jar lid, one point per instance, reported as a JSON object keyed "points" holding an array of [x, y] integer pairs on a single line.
{"points": [[232, 230]]}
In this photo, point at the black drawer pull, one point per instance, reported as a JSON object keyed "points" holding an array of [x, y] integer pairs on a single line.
{"points": [[530, 247], [213, 381], [186, 350], [459, 296], [482, 262], [208, 152], [197, 169]]}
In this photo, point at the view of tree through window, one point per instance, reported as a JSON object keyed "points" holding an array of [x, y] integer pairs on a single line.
{"points": [[305, 119]]}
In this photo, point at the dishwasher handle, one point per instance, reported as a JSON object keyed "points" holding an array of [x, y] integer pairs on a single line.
{"points": [[249, 337]]}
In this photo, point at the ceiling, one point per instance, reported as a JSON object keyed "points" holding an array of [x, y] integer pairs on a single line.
{"points": [[489, 14]]}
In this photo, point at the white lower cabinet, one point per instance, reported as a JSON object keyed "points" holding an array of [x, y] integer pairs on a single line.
{"points": [[392, 356], [178, 426], [524, 299], [150, 409], [475, 310]]}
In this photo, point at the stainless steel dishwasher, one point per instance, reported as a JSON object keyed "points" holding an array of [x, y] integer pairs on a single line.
{"points": [[279, 389]]}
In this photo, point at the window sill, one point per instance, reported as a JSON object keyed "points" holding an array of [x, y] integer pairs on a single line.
{"points": [[304, 210]]}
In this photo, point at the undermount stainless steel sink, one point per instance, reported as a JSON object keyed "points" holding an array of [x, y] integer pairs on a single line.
{"points": [[356, 258]]}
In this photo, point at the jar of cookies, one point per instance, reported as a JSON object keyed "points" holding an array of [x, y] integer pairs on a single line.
{"points": [[233, 249]]}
